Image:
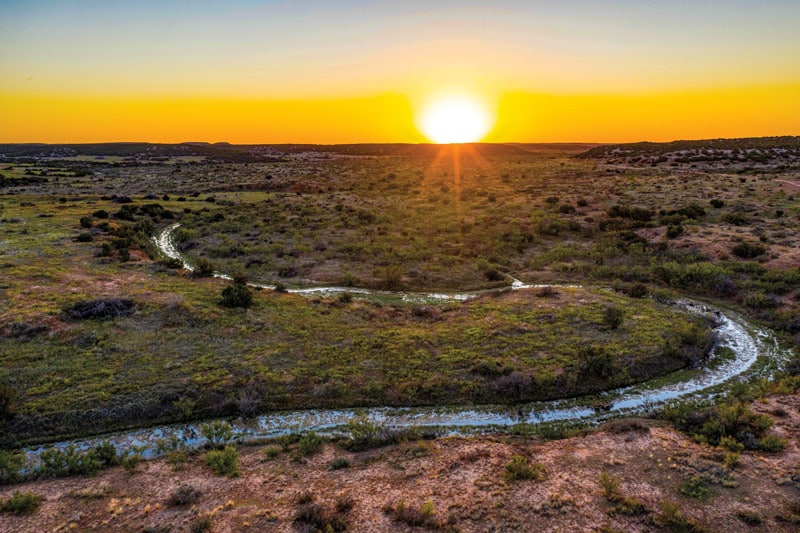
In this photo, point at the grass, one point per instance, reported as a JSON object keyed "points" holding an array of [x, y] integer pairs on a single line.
{"points": [[520, 468]]}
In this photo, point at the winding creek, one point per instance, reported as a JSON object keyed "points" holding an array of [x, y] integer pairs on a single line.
{"points": [[756, 352]]}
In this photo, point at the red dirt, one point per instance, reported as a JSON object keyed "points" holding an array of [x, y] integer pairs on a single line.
{"points": [[463, 477]]}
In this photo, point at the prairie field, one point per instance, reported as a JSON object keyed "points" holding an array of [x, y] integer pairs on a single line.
{"points": [[100, 332]]}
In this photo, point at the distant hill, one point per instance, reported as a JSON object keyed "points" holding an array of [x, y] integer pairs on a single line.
{"points": [[791, 144], [746, 153], [263, 152]]}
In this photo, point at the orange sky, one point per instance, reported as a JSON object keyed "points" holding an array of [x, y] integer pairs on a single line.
{"points": [[352, 71]]}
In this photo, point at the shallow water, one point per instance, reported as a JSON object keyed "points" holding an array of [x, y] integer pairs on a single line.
{"points": [[747, 342]]}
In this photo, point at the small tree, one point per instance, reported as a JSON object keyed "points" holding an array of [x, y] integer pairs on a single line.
{"points": [[237, 295], [613, 317]]}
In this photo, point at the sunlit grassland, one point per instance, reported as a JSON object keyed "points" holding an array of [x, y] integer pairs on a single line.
{"points": [[386, 222], [183, 355]]}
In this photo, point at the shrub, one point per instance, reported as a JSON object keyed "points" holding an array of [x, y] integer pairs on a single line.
{"points": [[68, 462], [737, 219], [613, 317], [201, 524], [204, 268], [413, 516], [492, 274], [748, 517], [271, 453], [223, 462], [321, 519], [106, 453], [519, 468], [674, 231], [218, 433], [22, 503], [716, 203], [629, 506], [237, 295], [731, 460], [731, 444], [100, 213], [364, 434], [183, 495], [548, 291], [566, 209], [309, 444], [772, 444], [747, 250], [101, 309], [610, 486], [392, 277], [696, 488], [8, 401], [633, 213], [10, 465], [171, 262], [338, 464], [174, 451], [130, 459], [672, 517]]}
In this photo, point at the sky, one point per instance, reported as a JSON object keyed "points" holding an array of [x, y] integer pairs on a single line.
{"points": [[356, 71]]}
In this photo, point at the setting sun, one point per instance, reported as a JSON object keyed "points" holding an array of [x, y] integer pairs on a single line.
{"points": [[454, 119]]}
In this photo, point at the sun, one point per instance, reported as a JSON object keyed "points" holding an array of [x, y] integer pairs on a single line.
{"points": [[454, 119]]}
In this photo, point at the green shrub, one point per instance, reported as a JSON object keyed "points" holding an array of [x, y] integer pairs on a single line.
{"points": [[218, 433], [747, 250], [183, 495], [672, 518], [772, 444], [613, 317], [519, 468], [339, 463], [364, 434], [629, 506], [610, 486], [424, 515], [271, 453], [22, 503], [223, 462], [67, 462], [309, 444], [10, 465], [8, 402], [204, 268], [237, 295], [731, 460], [696, 488], [321, 519], [674, 231], [731, 444], [130, 459], [106, 453], [174, 451]]}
